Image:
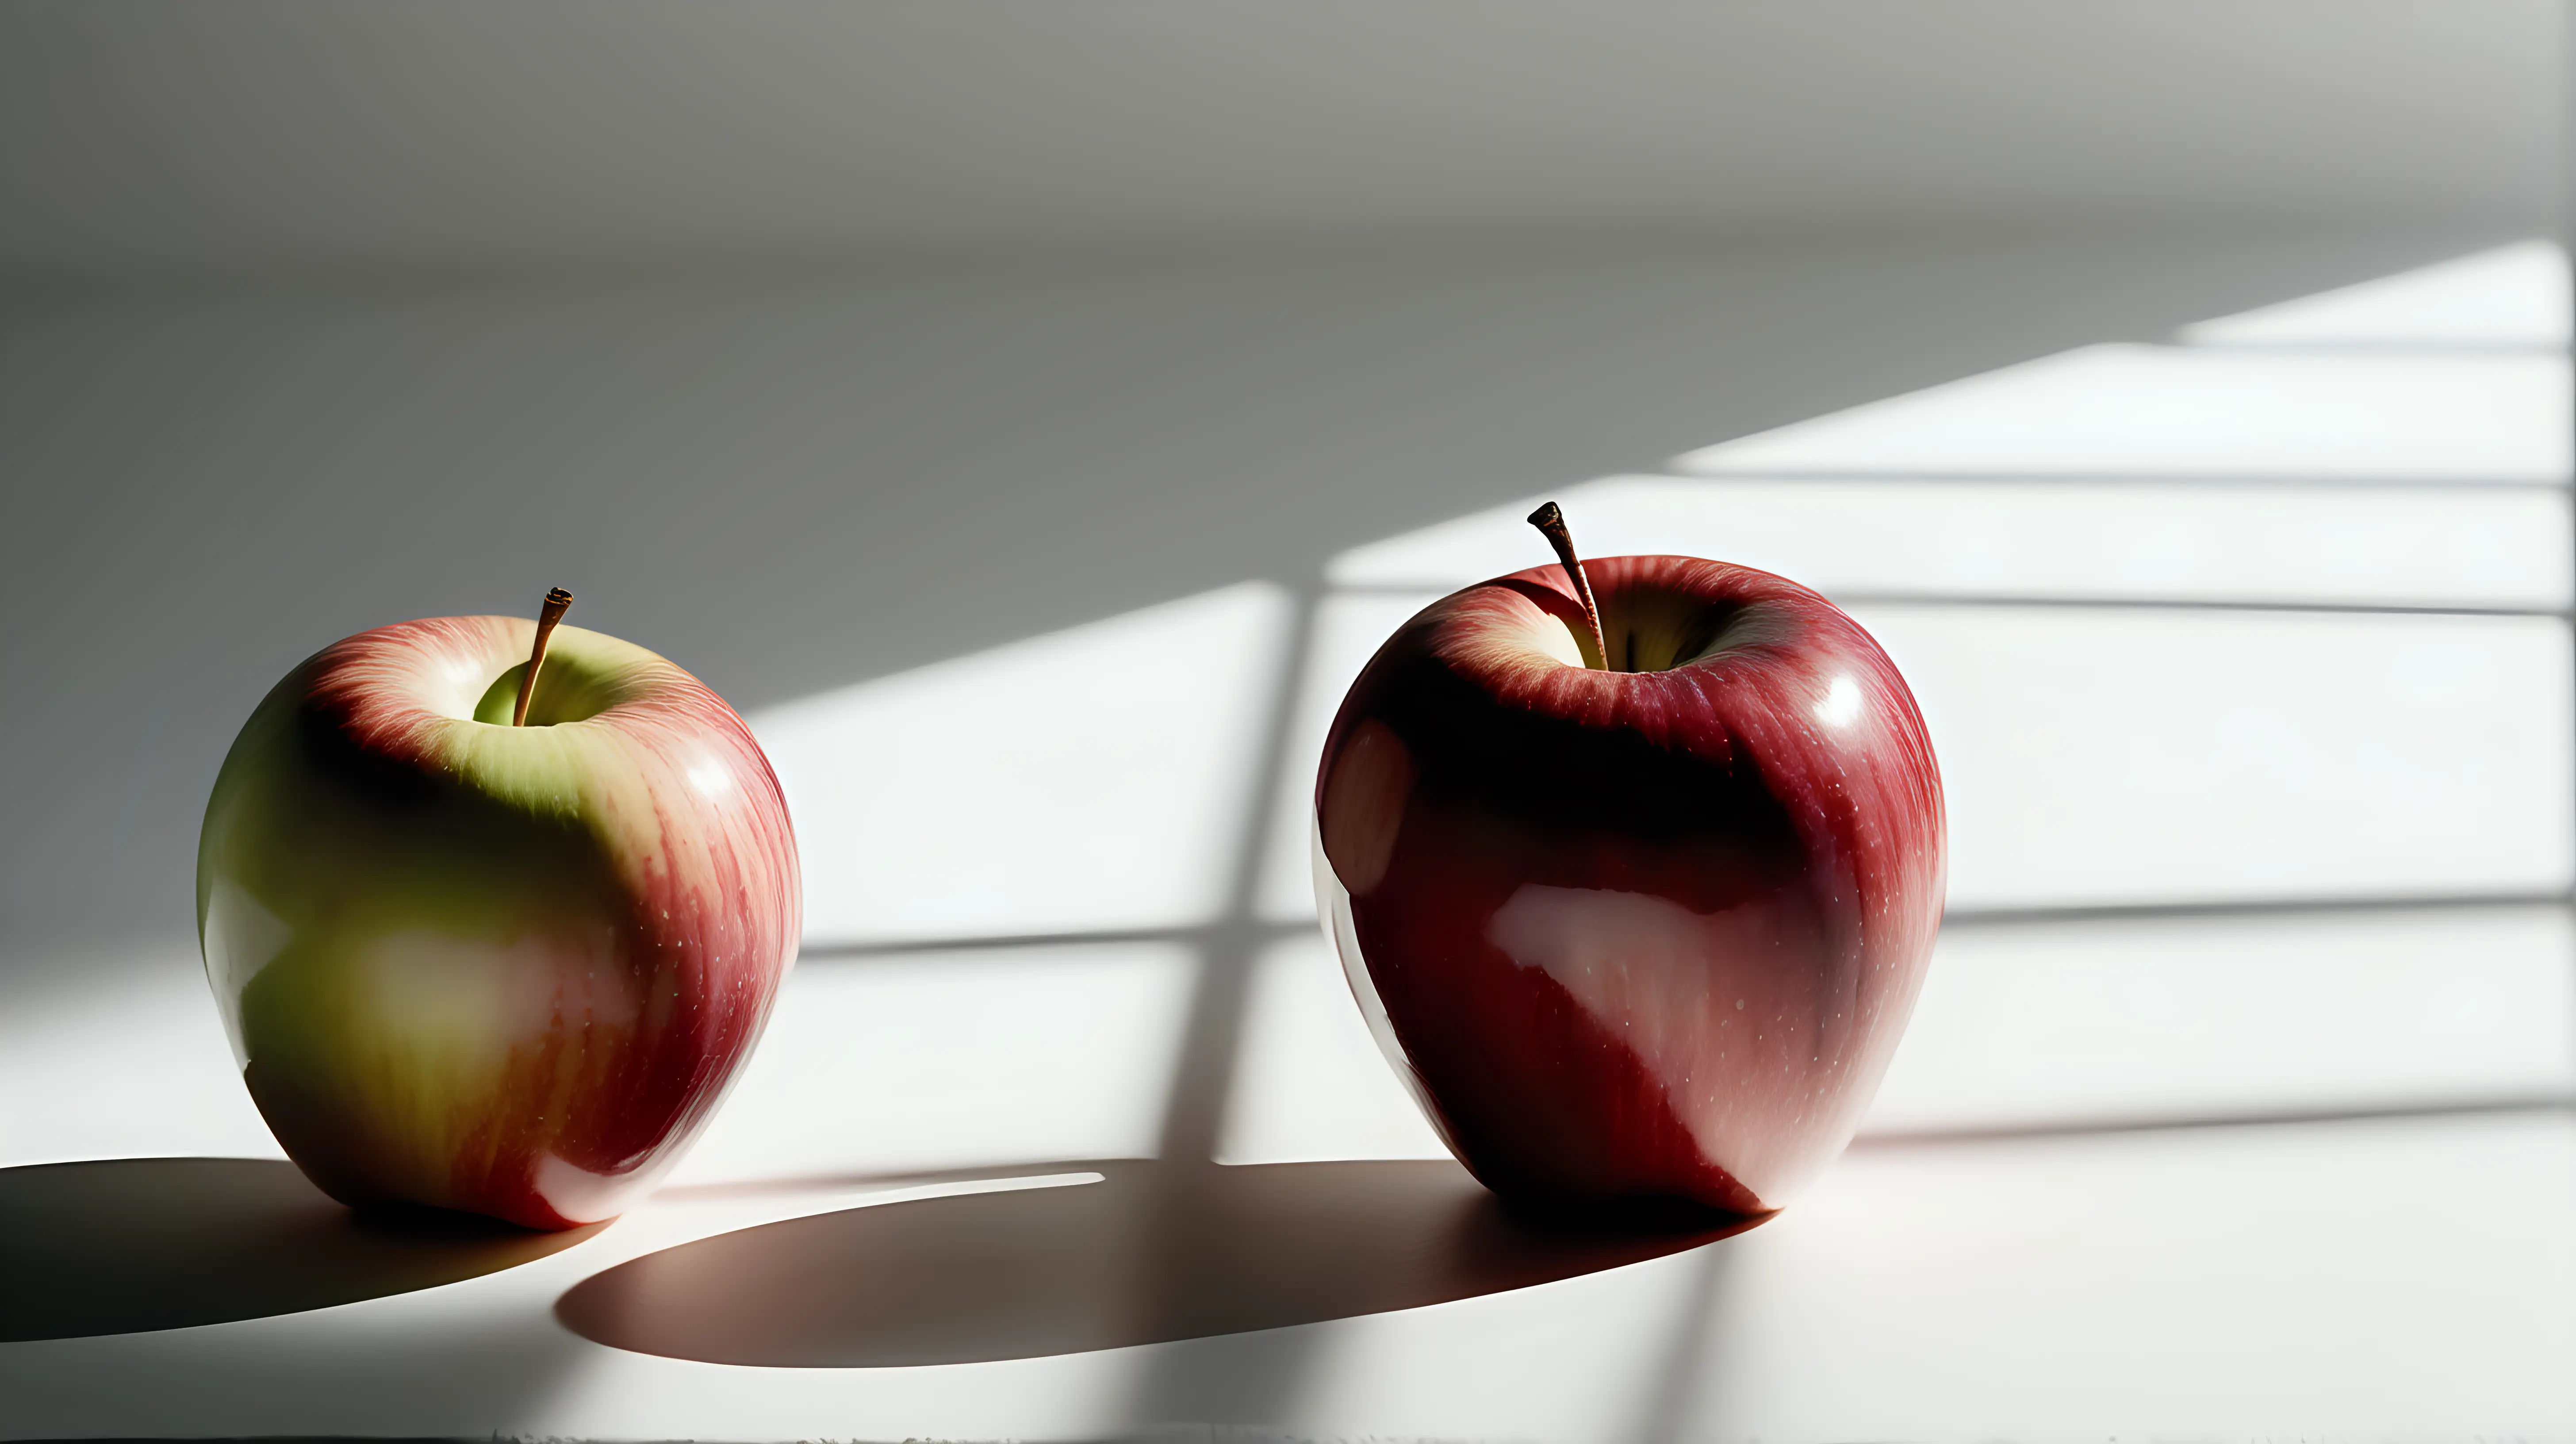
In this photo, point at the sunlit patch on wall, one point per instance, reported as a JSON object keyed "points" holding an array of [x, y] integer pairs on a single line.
{"points": [[2130, 410], [1092, 779], [2138, 757], [2511, 297], [896, 1064], [1309, 1082], [2276, 543], [2073, 1023]]}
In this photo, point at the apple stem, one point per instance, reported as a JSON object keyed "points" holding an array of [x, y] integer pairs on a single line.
{"points": [[1551, 524], [558, 601]]}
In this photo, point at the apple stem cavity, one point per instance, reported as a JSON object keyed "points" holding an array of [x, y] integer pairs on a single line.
{"points": [[558, 602], [1551, 524]]}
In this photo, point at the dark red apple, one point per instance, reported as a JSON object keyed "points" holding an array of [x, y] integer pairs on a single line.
{"points": [[1644, 929]]}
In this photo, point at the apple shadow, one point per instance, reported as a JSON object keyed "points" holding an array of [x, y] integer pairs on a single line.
{"points": [[133, 1244], [1148, 1254]]}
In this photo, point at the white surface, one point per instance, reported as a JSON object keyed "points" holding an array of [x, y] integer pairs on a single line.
{"points": [[1036, 1053], [2394, 1277], [2073, 1024], [2128, 757], [1310, 1082], [2382, 1279], [1071, 782], [135, 1068], [2128, 410], [2129, 541]]}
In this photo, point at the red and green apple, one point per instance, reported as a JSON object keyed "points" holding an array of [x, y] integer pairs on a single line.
{"points": [[483, 964], [1636, 888]]}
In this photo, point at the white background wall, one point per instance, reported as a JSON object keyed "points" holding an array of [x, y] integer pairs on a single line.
{"points": [[289, 134], [793, 483], [812, 342]]}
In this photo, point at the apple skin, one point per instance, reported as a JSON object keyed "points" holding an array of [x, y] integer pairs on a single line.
{"points": [[1634, 934], [507, 970]]}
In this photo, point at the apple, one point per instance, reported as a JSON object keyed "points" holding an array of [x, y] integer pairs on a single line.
{"points": [[1648, 929], [473, 964]]}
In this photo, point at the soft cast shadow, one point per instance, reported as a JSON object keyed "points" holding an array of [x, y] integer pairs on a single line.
{"points": [[130, 1244], [1150, 1253]]}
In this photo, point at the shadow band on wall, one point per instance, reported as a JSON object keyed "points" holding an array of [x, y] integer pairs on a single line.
{"points": [[1149, 1254], [133, 1244]]}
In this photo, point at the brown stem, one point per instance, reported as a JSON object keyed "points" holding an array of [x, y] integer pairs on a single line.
{"points": [[558, 601], [1551, 524]]}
